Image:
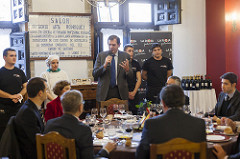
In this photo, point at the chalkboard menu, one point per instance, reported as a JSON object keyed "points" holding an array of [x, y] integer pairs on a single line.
{"points": [[68, 36], [142, 42]]}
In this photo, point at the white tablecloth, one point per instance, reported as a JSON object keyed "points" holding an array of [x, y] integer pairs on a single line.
{"points": [[201, 100]]}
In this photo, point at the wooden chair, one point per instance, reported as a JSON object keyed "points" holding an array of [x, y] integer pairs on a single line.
{"points": [[178, 148], [53, 145], [109, 104]]}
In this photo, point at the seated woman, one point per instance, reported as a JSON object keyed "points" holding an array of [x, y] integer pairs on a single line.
{"points": [[53, 75], [54, 108]]}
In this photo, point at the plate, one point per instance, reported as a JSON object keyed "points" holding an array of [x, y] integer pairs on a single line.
{"points": [[133, 145], [101, 142], [218, 138], [221, 128]]}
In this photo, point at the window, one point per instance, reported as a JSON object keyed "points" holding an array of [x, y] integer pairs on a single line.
{"points": [[108, 14], [4, 43]]}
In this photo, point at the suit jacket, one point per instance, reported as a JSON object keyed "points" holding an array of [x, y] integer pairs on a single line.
{"points": [[233, 109], [70, 127], [28, 123], [54, 109], [9, 146], [172, 124], [103, 75]]}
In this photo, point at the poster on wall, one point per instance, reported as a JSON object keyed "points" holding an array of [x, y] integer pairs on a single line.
{"points": [[68, 36], [142, 42]]}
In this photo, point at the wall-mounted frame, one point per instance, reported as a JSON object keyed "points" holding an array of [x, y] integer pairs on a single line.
{"points": [[67, 35], [19, 11]]}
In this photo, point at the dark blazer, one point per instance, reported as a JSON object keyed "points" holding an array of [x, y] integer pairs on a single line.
{"points": [[28, 123], [103, 76], [233, 110], [54, 109], [172, 124], [70, 127], [9, 146]]}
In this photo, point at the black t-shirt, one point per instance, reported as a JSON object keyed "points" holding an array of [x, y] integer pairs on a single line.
{"points": [[11, 81], [132, 81], [157, 71]]}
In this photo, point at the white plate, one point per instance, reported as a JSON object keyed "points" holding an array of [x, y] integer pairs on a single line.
{"points": [[222, 128], [215, 137], [101, 142]]}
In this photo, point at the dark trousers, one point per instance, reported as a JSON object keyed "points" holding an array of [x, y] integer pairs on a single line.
{"points": [[132, 104], [113, 93], [6, 111], [152, 94]]}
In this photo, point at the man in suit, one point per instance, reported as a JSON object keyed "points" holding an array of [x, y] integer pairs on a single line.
{"points": [[228, 104], [29, 120], [174, 123], [112, 68], [177, 81], [70, 126]]}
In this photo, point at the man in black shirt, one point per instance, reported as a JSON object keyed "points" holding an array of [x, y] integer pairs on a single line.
{"points": [[134, 82], [155, 71], [12, 88]]}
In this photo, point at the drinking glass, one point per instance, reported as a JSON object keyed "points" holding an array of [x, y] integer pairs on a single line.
{"points": [[209, 125], [121, 108], [94, 112], [111, 131], [103, 113], [159, 108], [186, 109], [115, 108]]}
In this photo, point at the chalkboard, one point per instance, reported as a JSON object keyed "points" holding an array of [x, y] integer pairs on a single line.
{"points": [[142, 42], [68, 36]]}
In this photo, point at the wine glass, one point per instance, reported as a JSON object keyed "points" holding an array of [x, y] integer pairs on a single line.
{"points": [[159, 108], [115, 108], [94, 112], [121, 108], [103, 112]]}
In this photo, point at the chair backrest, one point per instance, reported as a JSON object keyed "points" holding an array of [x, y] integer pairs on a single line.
{"points": [[53, 145], [109, 104], [178, 148]]}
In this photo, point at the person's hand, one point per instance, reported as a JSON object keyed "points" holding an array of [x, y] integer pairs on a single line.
{"points": [[108, 60], [131, 95], [125, 65], [230, 123], [219, 152], [110, 146], [16, 96], [214, 118]]}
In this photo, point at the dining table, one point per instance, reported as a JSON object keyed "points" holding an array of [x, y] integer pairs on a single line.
{"points": [[128, 152]]}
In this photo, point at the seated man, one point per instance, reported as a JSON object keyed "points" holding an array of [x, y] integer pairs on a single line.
{"points": [[28, 120], [177, 81], [172, 124], [69, 126], [228, 104]]}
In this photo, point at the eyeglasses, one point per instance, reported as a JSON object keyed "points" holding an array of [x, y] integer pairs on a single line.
{"points": [[83, 102]]}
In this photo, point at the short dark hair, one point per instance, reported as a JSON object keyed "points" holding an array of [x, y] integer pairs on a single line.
{"points": [[35, 85], [5, 51], [154, 45], [112, 37], [71, 100], [58, 87], [127, 46], [232, 77], [173, 96]]}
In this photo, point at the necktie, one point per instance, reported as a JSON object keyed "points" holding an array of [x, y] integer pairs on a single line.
{"points": [[226, 98], [113, 73], [42, 115]]}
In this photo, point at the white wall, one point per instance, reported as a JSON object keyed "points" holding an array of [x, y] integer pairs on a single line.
{"points": [[67, 6], [189, 40], [74, 68]]}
